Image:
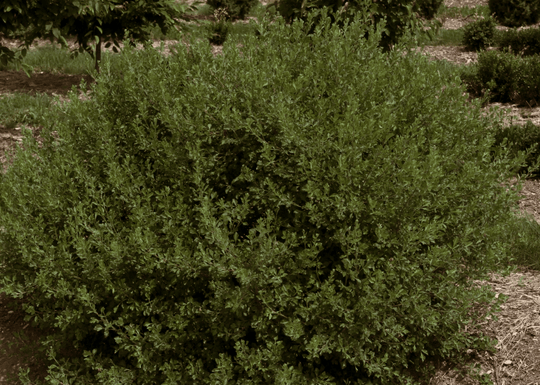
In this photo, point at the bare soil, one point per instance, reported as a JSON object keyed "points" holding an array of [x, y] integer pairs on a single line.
{"points": [[517, 327]]}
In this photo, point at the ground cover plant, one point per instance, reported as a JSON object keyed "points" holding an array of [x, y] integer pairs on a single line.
{"points": [[256, 217]]}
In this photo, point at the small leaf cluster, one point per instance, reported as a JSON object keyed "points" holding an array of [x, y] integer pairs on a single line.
{"points": [[479, 34], [515, 13], [503, 77], [306, 210], [524, 42]]}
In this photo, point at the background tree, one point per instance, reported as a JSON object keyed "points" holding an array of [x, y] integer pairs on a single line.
{"points": [[91, 22]]}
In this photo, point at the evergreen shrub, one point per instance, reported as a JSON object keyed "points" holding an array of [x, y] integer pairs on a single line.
{"points": [[479, 34], [515, 13], [236, 9], [308, 210], [525, 42], [504, 77], [521, 138]]}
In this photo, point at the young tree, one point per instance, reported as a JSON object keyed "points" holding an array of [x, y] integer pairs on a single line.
{"points": [[91, 22]]}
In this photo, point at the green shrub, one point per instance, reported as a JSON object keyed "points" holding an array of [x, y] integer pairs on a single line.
{"points": [[515, 13], [428, 8], [521, 138], [236, 9], [398, 16], [309, 210], [219, 30], [525, 42], [506, 77], [479, 34]]}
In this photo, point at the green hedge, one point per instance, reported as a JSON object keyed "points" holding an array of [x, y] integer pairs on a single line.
{"points": [[525, 41], [310, 211], [504, 77]]}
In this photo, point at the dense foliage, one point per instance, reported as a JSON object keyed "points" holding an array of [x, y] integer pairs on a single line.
{"points": [[479, 34], [504, 77], [525, 42], [515, 13], [428, 8], [394, 18], [236, 9], [308, 210], [522, 138]]}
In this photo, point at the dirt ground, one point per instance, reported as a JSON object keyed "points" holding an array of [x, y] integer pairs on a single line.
{"points": [[517, 329]]}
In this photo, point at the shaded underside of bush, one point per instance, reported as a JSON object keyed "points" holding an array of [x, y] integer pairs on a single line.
{"points": [[310, 210]]}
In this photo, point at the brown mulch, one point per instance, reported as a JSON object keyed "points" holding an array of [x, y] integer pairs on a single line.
{"points": [[45, 83], [517, 330]]}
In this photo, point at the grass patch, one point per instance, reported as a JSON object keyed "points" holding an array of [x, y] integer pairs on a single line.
{"points": [[448, 37], [525, 239], [20, 108], [459, 12], [54, 59], [205, 10]]}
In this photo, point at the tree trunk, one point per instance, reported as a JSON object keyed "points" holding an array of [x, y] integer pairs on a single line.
{"points": [[98, 54]]}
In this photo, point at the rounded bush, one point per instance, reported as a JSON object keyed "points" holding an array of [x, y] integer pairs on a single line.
{"points": [[507, 78], [479, 34], [515, 13], [308, 210]]}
